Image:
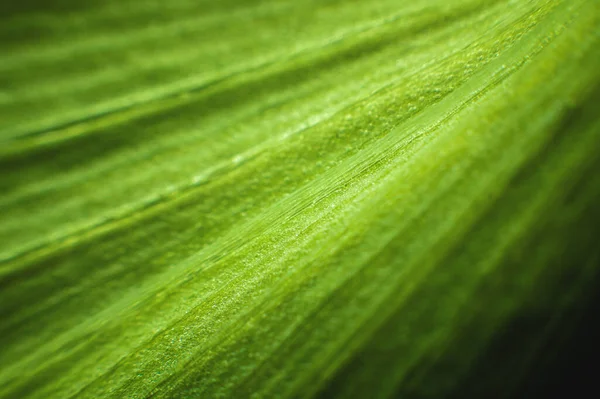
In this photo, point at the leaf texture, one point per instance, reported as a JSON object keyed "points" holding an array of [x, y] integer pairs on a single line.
{"points": [[293, 198]]}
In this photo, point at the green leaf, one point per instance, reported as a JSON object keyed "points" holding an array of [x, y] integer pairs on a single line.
{"points": [[294, 198]]}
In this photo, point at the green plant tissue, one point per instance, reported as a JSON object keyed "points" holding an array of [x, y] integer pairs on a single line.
{"points": [[291, 199]]}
